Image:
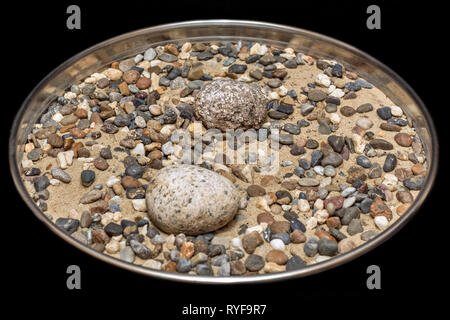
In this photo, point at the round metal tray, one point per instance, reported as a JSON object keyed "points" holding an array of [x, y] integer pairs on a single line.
{"points": [[316, 45]]}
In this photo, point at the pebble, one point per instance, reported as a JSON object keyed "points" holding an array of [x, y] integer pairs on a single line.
{"points": [[316, 95], [237, 68], [364, 123], [183, 265], [390, 162], [127, 255], [311, 246], [295, 263], [87, 177], [363, 161], [366, 107], [254, 262], [61, 175], [414, 183], [334, 159], [204, 270], [277, 244], [255, 190], [369, 234], [384, 113], [68, 225], [327, 247], [277, 256], [403, 139], [354, 227], [381, 222]]}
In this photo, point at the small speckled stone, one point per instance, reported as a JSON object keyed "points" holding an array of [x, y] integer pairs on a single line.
{"points": [[230, 104]]}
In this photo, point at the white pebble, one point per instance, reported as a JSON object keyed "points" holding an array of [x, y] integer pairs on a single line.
{"points": [[396, 111], [139, 204], [323, 80], [348, 191], [319, 170], [318, 204], [236, 242], [112, 181], [364, 123], [381, 222], [335, 118], [321, 216], [321, 258], [311, 223], [277, 244], [61, 160], [139, 150], [348, 202], [54, 182], [338, 93], [303, 205]]}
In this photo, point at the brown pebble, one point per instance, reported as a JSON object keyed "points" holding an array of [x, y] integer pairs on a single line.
{"points": [[78, 133], [99, 236], [256, 190], [237, 268], [404, 196], [289, 185], [123, 88], [170, 267], [322, 234], [401, 209], [267, 180], [297, 236], [418, 169], [337, 201], [131, 76], [83, 153], [55, 140], [345, 245], [101, 164], [81, 113], [277, 256], [187, 249], [334, 222], [402, 174], [130, 182], [347, 111], [280, 227], [95, 118], [379, 208], [251, 241], [143, 83], [403, 139], [276, 209], [155, 154], [265, 217]]}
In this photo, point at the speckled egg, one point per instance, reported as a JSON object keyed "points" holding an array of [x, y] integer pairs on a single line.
{"points": [[190, 199]]}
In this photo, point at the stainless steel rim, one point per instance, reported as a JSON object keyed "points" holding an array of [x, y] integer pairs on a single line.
{"points": [[309, 270]]}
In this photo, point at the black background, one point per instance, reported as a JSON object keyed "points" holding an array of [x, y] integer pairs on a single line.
{"points": [[38, 41]]}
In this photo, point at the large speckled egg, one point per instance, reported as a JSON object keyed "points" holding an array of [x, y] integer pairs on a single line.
{"points": [[190, 199]]}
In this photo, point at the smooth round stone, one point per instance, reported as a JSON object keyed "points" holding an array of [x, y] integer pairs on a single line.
{"points": [[190, 199], [363, 161], [277, 244], [61, 175], [295, 263], [87, 177], [364, 123], [230, 104]]}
